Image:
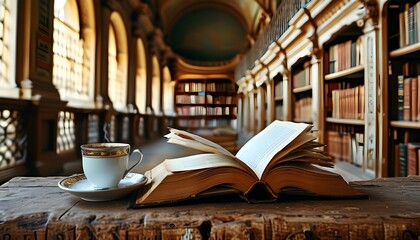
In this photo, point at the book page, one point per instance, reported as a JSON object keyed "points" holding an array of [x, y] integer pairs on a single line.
{"points": [[201, 161], [191, 140], [189, 143], [259, 150]]}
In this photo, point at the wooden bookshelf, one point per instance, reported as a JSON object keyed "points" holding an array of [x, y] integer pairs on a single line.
{"points": [[302, 91], [279, 97], [344, 98], [403, 26], [205, 102]]}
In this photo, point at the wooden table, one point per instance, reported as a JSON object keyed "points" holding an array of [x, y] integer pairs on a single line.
{"points": [[35, 208]]}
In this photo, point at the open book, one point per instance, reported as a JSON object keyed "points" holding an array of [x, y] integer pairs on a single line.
{"points": [[283, 158]]}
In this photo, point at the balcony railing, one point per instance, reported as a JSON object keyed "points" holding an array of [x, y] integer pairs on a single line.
{"points": [[277, 26], [37, 139]]}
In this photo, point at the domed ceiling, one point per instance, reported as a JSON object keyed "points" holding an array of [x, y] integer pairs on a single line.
{"points": [[209, 30]]}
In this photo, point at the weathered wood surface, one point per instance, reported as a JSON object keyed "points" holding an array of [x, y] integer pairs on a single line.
{"points": [[35, 208]]}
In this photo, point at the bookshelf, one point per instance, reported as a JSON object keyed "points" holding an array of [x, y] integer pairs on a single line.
{"points": [[404, 87], [302, 91], [344, 98], [205, 103], [279, 97]]}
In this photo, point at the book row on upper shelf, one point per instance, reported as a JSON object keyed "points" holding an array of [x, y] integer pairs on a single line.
{"points": [[205, 98], [195, 86], [199, 123], [345, 55], [409, 27]]}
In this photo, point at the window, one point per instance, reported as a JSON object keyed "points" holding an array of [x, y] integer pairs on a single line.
{"points": [[8, 22], [141, 81], [168, 92], [117, 63], [156, 94], [68, 48]]}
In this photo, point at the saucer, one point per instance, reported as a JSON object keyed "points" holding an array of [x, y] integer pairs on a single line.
{"points": [[79, 186]]}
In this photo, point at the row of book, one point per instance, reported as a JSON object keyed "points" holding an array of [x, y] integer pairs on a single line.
{"points": [[205, 87], [348, 103], [278, 90], [408, 98], [303, 110], [302, 77], [279, 111], [407, 156], [203, 123], [220, 87], [409, 24], [345, 55], [345, 146], [205, 99], [205, 111]]}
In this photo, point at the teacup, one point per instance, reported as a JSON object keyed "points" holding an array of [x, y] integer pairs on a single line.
{"points": [[105, 164]]}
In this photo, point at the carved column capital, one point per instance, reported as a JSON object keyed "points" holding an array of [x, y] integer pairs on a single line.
{"points": [[313, 35], [371, 12]]}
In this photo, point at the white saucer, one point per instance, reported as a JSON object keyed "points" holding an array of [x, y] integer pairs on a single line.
{"points": [[78, 185]]}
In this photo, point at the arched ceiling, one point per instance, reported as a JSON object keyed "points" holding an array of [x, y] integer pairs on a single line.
{"points": [[210, 30]]}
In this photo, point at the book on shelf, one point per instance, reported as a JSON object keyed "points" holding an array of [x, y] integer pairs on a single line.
{"points": [[414, 99], [413, 158], [400, 97], [402, 166], [396, 156], [407, 99], [284, 158]]}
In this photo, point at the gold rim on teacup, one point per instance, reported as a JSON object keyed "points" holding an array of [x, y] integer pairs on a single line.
{"points": [[105, 149]]}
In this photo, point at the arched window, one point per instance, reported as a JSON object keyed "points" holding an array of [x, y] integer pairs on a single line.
{"points": [[168, 92], [117, 62], [156, 87], [141, 80], [71, 70], [8, 22]]}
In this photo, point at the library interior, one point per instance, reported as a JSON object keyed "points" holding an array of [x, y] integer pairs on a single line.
{"points": [[74, 72]]}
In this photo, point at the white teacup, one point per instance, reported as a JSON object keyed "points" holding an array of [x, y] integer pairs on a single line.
{"points": [[105, 164]]}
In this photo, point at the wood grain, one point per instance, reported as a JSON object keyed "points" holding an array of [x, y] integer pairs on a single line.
{"points": [[35, 208]]}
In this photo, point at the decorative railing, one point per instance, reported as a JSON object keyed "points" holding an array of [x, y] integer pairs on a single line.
{"points": [[277, 26], [38, 140], [13, 136]]}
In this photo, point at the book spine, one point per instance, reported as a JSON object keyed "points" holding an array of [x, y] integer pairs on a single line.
{"points": [[407, 99], [400, 100], [414, 99], [402, 160]]}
